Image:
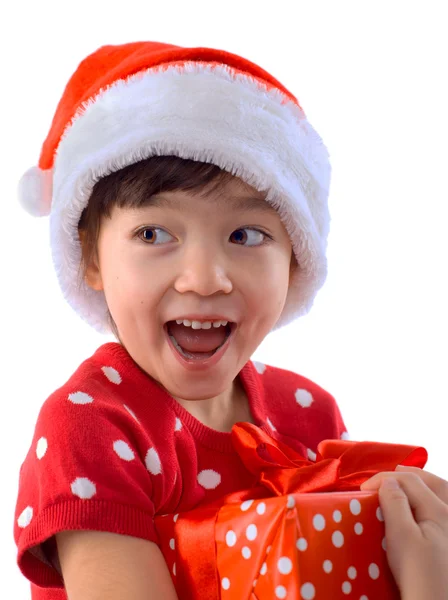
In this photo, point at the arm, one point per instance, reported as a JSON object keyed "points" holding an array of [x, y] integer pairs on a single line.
{"points": [[416, 519], [97, 565], [80, 482]]}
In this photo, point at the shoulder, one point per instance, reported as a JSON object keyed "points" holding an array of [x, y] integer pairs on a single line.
{"points": [[283, 384], [99, 412], [298, 405], [106, 387]]}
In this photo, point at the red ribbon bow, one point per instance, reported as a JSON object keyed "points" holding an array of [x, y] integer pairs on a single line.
{"points": [[340, 465]]}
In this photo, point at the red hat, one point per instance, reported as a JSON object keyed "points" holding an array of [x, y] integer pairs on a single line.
{"points": [[126, 103]]}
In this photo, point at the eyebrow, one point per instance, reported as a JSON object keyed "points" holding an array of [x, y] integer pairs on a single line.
{"points": [[237, 203]]}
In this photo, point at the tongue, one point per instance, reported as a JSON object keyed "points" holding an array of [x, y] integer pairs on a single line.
{"points": [[197, 340]]}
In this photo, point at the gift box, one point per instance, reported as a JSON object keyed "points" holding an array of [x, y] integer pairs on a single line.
{"points": [[305, 532]]}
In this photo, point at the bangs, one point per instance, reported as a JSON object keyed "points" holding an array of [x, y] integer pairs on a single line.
{"points": [[133, 186]]}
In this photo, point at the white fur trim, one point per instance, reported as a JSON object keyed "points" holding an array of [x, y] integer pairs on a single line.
{"points": [[202, 113], [35, 191]]}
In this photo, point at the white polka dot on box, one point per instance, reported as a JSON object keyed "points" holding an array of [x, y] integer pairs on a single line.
{"points": [[313, 546], [304, 547]]}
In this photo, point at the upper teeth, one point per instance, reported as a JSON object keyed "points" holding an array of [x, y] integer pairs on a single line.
{"points": [[201, 324]]}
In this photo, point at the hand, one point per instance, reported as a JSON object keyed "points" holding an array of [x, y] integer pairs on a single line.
{"points": [[415, 508]]}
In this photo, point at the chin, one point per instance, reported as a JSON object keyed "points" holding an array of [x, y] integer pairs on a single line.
{"points": [[199, 393]]}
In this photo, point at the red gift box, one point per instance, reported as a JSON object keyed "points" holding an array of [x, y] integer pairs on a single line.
{"points": [[317, 537]]}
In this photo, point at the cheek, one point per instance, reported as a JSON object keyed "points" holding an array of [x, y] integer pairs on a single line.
{"points": [[266, 291], [277, 274], [131, 283]]}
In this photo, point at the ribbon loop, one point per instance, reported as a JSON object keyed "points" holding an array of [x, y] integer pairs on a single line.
{"points": [[341, 465]]}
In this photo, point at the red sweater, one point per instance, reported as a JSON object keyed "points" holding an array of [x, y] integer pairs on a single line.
{"points": [[111, 450]]}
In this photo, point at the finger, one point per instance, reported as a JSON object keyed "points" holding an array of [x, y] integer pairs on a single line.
{"points": [[425, 504], [398, 517], [409, 468], [436, 484]]}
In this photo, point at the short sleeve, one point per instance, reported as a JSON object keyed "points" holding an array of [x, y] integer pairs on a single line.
{"points": [[301, 410], [327, 419], [327, 416], [86, 469]]}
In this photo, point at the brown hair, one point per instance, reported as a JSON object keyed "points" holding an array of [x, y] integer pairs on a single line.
{"points": [[133, 187]]}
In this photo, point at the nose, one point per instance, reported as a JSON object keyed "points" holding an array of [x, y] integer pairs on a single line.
{"points": [[203, 271]]}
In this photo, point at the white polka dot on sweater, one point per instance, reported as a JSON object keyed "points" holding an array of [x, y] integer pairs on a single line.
{"points": [[246, 552], [379, 514], [311, 455], [304, 398], [178, 425], [209, 479], [352, 573], [123, 450], [261, 368], [41, 447], [131, 412], [347, 587], [152, 462], [359, 528], [345, 435], [269, 422], [307, 591], [112, 374], [25, 517], [338, 539], [327, 566], [80, 398], [246, 505], [83, 488], [374, 571]]}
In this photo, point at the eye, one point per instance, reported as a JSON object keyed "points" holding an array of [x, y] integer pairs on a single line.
{"points": [[254, 237], [154, 235]]}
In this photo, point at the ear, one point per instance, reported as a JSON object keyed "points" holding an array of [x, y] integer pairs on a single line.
{"points": [[92, 272], [93, 277], [293, 265]]}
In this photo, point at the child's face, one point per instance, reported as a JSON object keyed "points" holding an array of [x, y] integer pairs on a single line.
{"points": [[202, 260]]}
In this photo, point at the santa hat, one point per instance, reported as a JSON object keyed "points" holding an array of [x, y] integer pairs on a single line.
{"points": [[128, 102]]}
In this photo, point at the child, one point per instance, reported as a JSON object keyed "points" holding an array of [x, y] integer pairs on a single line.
{"points": [[187, 196]]}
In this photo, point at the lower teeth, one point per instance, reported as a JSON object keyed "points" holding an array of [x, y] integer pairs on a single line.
{"points": [[188, 354]]}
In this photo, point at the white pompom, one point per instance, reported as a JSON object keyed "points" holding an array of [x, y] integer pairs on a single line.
{"points": [[35, 191]]}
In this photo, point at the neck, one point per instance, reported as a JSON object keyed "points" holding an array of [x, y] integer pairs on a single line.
{"points": [[223, 411]]}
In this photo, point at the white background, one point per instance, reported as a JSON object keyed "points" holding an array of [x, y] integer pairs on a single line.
{"points": [[371, 77]]}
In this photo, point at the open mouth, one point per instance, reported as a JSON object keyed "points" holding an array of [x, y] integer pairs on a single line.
{"points": [[198, 344]]}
